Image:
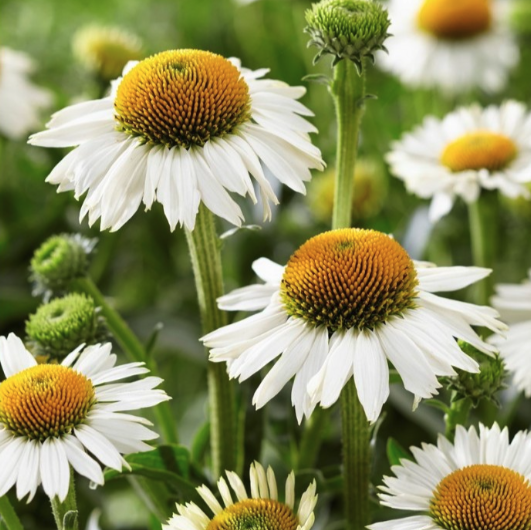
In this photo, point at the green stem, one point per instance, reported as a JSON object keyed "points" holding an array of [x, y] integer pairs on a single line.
{"points": [[311, 438], [61, 509], [8, 515], [457, 415], [356, 458], [348, 90], [205, 254], [483, 223], [133, 348]]}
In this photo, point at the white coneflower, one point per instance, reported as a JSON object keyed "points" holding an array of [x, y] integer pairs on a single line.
{"points": [[347, 302], [182, 127], [454, 45], [514, 303], [262, 510], [470, 149], [52, 414], [20, 100], [476, 483]]}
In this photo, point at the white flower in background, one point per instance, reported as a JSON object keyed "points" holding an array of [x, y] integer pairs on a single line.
{"points": [[480, 482], [453, 45], [182, 127], [20, 100], [347, 302], [262, 510], [470, 149], [52, 414], [514, 304]]}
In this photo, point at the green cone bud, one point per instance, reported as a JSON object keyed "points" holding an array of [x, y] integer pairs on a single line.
{"points": [[63, 324], [483, 385], [347, 29], [58, 261]]}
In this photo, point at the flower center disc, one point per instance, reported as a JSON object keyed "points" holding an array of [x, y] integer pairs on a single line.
{"points": [[182, 98], [45, 401], [455, 19], [482, 497], [479, 150], [349, 278], [255, 514]]}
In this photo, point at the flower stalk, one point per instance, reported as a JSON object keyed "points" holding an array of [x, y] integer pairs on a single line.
{"points": [[133, 348], [65, 512], [204, 246], [8, 516], [457, 415]]}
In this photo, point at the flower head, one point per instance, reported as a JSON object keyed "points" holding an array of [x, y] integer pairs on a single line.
{"points": [[59, 326], [514, 303], [480, 482], [52, 414], [470, 149], [58, 261], [262, 510], [106, 50], [20, 100], [457, 45], [180, 128], [347, 29], [348, 301]]}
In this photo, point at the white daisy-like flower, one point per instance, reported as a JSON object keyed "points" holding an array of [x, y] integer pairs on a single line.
{"points": [[480, 482], [262, 510], [182, 127], [452, 45], [470, 149], [20, 100], [53, 416], [514, 304], [347, 302]]}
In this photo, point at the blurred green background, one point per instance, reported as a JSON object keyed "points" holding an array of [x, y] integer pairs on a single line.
{"points": [[144, 269]]}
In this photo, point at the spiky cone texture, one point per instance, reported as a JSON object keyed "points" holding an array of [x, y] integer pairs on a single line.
{"points": [[347, 29]]}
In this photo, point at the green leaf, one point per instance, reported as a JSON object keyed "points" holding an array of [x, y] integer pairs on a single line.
{"points": [[200, 443], [395, 452], [70, 520], [321, 79], [437, 404]]}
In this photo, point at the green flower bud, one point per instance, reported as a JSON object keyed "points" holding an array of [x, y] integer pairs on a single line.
{"points": [[347, 29], [483, 385], [106, 50], [63, 324], [58, 261]]}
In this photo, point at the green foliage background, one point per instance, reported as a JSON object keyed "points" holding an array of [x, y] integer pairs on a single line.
{"points": [[144, 268]]}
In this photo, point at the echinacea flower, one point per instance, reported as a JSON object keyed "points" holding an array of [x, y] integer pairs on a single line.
{"points": [[347, 302], [20, 100], [262, 510], [453, 45], [182, 127], [470, 149], [480, 482], [57, 416], [514, 304]]}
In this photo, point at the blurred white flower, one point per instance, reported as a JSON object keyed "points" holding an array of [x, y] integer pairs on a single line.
{"points": [[514, 304], [20, 100], [347, 302], [182, 127], [453, 45], [470, 149]]}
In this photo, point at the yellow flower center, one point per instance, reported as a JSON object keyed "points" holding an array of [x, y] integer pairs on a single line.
{"points": [[45, 401], [479, 150], [255, 514], [182, 98], [455, 19], [482, 497], [349, 278]]}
